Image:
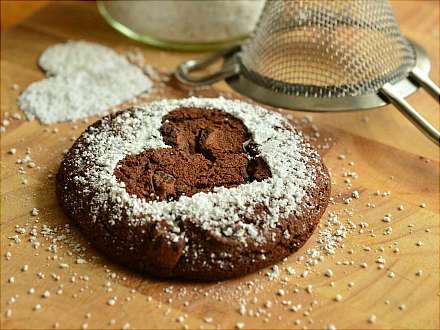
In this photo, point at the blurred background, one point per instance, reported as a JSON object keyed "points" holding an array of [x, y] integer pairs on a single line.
{"points": [[13, 12], [57, 21]]}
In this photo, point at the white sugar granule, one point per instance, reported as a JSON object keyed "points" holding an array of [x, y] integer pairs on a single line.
{"points": [[239, 325], [8, 313], [291, 161], [338, 297], [84, 80], [372, 318], [328, 273]]}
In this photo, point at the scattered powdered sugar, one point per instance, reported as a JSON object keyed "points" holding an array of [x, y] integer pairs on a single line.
{"points": [[332, 235], [291, 161], [84, 80], [65, 268]]}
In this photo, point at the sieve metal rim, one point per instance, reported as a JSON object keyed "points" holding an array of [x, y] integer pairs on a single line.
{"points": [[390, 92], [250, 88]]}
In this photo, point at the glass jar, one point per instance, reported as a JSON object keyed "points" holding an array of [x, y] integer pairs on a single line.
{"points": [[183, 25]]}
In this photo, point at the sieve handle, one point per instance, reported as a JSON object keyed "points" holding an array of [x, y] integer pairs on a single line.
{"points": [[423, 80], [183, 71], [393, 96]]}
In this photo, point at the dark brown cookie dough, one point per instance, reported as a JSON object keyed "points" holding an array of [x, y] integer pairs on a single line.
{"points": [[207, 151], [208, 148]]}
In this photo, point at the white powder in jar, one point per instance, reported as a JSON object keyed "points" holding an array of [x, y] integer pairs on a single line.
{"points": [[188, 21]]}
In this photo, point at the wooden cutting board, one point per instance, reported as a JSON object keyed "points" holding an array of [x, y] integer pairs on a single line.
{"points": [[392, 164]]}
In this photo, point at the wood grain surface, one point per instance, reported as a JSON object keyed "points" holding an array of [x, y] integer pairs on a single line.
{"points": [[13, 12], [387, 160]]}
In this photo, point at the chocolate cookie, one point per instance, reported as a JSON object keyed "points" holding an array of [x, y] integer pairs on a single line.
{"points": [[194, 188]]}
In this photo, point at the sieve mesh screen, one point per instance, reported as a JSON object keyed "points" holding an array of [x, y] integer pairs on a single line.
{"points": [[322, 48]]}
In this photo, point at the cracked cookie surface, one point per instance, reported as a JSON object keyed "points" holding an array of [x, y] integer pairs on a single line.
{"points": [[208, 149]]}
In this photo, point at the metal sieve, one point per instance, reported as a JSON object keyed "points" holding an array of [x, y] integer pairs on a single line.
{"points": [[319, 55]]}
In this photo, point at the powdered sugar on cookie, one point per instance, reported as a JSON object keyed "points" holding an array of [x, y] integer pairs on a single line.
{"points": [[220, 212]]}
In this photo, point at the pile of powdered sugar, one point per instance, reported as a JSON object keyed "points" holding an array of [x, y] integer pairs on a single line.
{"points": [[221, 211], [84, 79]]}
